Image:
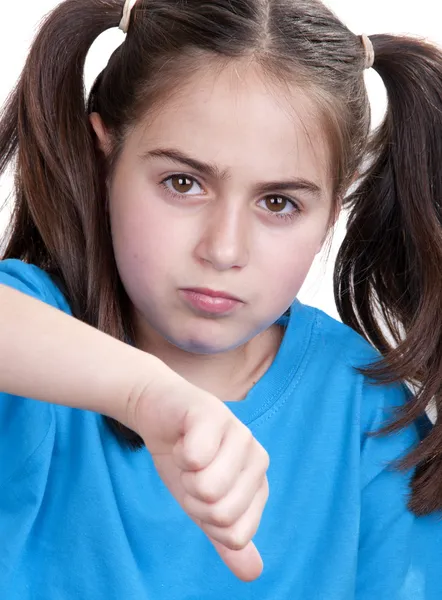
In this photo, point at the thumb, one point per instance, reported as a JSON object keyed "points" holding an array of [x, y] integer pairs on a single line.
{"points": [[246, 564], [204, 431]]}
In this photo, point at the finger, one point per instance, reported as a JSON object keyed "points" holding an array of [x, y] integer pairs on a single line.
{"points": [[246, 564], [231, 507], [237, 449], [238, 535], [204, 432]]}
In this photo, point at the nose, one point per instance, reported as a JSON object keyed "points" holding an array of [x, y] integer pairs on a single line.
{"points": [[224, 239]]}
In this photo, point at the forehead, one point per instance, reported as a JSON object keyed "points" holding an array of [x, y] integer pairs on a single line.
{"points": [[241, 119]]}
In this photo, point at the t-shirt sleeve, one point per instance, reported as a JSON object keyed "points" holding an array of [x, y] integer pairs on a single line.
{"points": [[32, 281], [387, 528], [24, 422]]}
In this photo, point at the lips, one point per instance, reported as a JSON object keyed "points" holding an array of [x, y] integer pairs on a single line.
{"points": [[213, 293], [210, 302]]}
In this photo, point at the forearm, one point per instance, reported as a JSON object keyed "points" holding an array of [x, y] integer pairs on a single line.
{"points": [[50, 356]]}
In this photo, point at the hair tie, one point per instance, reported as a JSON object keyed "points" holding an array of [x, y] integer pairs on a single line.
{"points": [[127, 10], [369, 51]]}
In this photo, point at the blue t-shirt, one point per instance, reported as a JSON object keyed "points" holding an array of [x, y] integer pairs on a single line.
{"points": [[82, 517]]}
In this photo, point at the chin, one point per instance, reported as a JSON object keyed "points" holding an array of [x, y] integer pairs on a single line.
{"points": [[199, 346], [203, 344]]}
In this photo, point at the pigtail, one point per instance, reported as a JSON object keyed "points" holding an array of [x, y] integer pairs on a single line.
{"points": [[44, 126], [60, 221], [390, 264]]}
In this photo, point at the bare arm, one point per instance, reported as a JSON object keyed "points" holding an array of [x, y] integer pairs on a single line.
{"points": [[48, 355]]}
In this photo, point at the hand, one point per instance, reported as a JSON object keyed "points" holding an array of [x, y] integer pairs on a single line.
{"points": [[209, 461]]}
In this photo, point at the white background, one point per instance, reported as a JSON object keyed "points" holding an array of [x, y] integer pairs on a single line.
{"points": [[19, 20]]}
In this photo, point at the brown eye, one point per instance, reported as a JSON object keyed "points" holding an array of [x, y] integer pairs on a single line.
{"points": [[281, 207], [276, 203], [181, 184]]}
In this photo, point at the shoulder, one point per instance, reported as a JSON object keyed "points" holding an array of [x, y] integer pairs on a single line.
{"points": [[32, 281], [340, 353], [348, 352], [338, 340]]}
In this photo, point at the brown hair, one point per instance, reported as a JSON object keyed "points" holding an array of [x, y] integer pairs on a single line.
{"points": [[391, 259], [388, 275]]}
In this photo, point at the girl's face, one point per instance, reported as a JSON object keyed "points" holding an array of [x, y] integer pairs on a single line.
{"points": [[226, 189]]}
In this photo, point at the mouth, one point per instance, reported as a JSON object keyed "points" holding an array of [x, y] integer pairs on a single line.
{"points": [[210, 302], [213, 293]]}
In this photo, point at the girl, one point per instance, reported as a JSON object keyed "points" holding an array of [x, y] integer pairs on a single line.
{"points": [[153, 354]]}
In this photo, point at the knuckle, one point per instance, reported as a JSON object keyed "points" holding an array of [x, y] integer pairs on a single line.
{"points": [[237, 539], [259, 463], [221, 516], [248, 436], [243, 435], [191, 460], [207, 492], [263, 457]]}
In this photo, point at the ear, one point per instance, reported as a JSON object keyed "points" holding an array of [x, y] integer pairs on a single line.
{"points": [[103, 138]]}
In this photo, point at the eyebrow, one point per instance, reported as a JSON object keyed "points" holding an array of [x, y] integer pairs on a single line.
{"points": [[212, 171]]}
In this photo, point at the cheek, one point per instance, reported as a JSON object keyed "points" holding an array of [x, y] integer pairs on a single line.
{"points": [[141, 243], [287, 258], [288, 274], [149, 243]]}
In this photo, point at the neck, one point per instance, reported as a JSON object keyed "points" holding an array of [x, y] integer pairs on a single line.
{"points": [[227, 375]]}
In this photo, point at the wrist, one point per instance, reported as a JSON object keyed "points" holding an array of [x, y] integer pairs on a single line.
{"points": [[148, 373]]}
